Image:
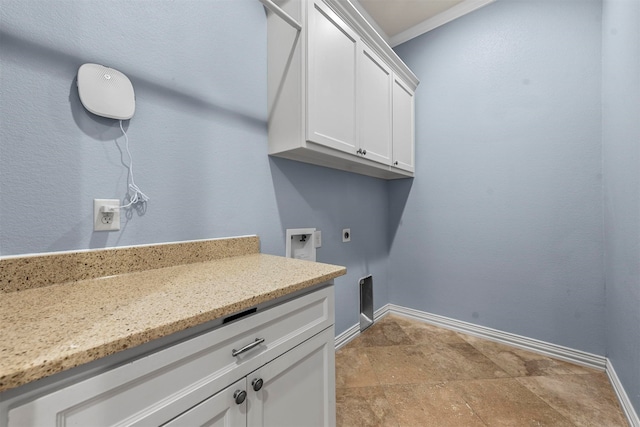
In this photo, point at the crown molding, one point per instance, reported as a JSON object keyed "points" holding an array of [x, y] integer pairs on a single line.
{"points": [[352, 16], [356, 4]]}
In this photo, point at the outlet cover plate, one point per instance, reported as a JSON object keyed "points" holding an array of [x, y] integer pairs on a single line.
{"points": [[346, 235], [100, 221]]}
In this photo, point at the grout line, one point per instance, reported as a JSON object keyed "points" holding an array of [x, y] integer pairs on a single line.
{"points": [[544, 400]]}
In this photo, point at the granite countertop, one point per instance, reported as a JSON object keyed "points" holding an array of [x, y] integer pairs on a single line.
{"points": [[52, 328]]}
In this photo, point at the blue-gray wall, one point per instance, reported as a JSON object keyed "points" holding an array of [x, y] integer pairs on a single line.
{"points": [[503, 223], [621, 164], [501, 227], [198, 138]]}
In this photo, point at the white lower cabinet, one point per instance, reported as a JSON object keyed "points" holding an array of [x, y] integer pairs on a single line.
{"points": [[208, 379], [292, 391], [298, 387]]}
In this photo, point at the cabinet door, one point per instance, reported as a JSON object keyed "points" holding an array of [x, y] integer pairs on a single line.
{"points": [[220, 410], [331, 80], [374, 107], [403, 126], [298, 387]]}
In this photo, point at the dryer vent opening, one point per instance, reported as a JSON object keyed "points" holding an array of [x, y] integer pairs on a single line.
{"points": [[366, 302]]}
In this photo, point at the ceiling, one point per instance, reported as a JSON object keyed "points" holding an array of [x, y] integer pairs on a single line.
{"points": [[400, 20]]}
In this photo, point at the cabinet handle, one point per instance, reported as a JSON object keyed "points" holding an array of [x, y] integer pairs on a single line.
{"points": [[364, 152], [247, 347], [395, 163], [257, 384], [359, 151], [239, 396]]}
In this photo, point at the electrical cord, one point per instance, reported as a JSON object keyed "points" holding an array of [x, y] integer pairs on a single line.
{"points": [[135, 195]]}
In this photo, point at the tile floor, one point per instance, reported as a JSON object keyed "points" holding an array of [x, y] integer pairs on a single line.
{"points": [[404, 373]]}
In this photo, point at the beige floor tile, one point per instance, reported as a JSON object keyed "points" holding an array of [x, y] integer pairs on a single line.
{"points": [[385, 332], [405, 364], [430, 405], [505, 402], [520, 363], [463, 361], [426, 334], [353, 369], [363, 407], [416, 364], [406, 373], [586, 400]]}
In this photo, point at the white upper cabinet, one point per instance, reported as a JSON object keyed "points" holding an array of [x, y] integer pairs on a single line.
{"points": [[374, 107], [331, 68], [403, 126], [332, 92]]}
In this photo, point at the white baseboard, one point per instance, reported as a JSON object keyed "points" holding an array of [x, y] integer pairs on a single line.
{"points": [[623, 398], [552, 350], [548, 349]]}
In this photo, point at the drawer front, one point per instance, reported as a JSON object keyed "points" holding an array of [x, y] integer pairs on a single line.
{"points": [[154, 389]]}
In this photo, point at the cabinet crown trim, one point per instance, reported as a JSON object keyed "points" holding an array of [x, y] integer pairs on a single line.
{"points": [[353, 17]]}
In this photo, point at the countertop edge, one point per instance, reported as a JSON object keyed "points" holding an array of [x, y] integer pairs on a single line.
{"points": [[21, 375]]}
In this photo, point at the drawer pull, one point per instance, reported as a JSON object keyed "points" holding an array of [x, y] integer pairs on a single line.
{"points": [[239, 396], [247, 347], [257, 384]]}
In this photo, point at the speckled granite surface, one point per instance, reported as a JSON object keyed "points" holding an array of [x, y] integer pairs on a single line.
{"points": [[48, 329], [19, 273]]}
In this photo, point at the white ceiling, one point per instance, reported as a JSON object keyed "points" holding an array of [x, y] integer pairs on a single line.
{"points": [[400, 20], [395, 16]]}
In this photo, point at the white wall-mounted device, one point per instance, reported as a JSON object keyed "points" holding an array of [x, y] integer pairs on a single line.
{"points": [[106, 92]]}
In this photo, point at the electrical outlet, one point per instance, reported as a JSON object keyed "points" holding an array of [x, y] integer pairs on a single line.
{"points": [[106, 214], [346, 235], [317, 238]]}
